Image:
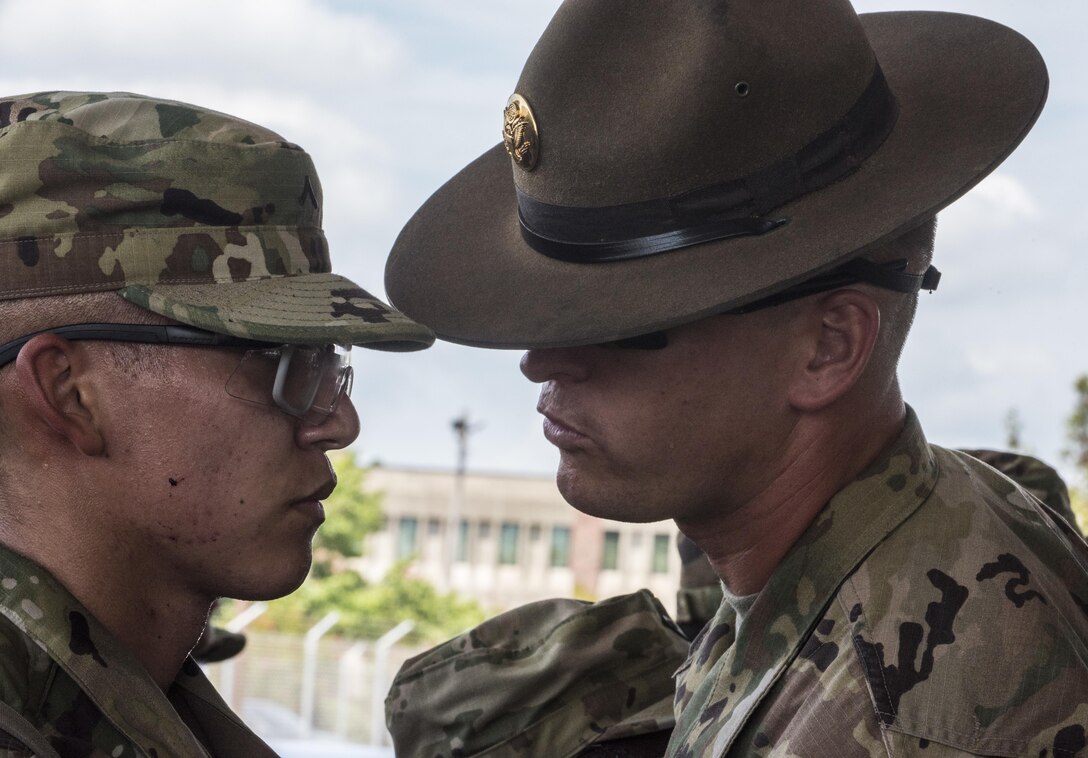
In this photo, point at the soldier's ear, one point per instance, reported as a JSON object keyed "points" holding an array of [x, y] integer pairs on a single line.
{"points": [[841, 335], [55, 389]]}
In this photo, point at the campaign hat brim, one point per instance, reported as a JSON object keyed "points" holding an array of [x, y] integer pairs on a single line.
{"points": [[968, 91]]}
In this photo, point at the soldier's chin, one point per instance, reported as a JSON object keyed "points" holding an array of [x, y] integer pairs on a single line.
{"points": [[272, 586], [601, 500]]}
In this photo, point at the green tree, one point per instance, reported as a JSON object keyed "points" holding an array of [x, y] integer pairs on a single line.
{"points": [[369, 610], [1077, 452], [1078, 425], [1080, 508]]}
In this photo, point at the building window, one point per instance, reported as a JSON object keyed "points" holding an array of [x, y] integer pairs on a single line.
{"points": [[462, 541], [406, 537], [610, 558], [560, 546], [508, 544], [661, 554], [484, 529], [434, 527]]}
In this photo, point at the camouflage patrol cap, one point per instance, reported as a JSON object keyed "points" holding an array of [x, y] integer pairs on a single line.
{"points": [[545, 679], [196, 215]]}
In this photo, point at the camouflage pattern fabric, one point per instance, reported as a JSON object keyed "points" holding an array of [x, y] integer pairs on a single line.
{"points": [[199, 216], [1036, 477], [548, 679], [934, 608], [700, 591], [64, 673]]}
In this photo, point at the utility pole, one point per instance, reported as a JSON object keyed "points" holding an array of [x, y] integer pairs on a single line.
{"points": [[461, 429]]}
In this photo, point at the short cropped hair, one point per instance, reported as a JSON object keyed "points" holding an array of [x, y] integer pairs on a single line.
{"points": [[898, 310], [29, 315]]}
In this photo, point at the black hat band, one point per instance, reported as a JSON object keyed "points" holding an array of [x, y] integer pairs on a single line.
{"points": [[738, 207]]}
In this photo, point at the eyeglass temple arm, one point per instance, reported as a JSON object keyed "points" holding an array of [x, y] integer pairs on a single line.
{"points": [[169, 334]]}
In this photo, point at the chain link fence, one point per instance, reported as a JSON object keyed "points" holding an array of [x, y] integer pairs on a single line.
{"points": [[289, 687]]}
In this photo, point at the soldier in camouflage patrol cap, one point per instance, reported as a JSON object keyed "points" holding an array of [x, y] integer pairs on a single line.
{"points": [[708, 224], [173, 368]]}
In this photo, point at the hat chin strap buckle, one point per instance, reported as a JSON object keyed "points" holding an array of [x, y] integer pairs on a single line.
{"points": [[889, 276], [930, 279]]}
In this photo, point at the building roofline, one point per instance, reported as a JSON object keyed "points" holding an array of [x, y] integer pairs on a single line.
{"points": [[449, 472]]}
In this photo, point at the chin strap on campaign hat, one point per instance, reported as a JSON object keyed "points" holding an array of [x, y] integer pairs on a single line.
{"points": [[890, 276]]}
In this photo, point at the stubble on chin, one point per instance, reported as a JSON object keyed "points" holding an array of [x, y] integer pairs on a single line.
{"points": [[617, 495], [574, 488], [593, 494]]}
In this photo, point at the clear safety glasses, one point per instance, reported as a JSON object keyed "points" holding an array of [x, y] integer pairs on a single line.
{"points": [[305, 381]]}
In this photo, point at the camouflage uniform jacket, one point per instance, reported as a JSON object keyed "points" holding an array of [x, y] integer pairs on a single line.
{"points": [[932, 609], [85, 695]]}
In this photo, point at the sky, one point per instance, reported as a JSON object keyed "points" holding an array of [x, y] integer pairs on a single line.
{"points": [[392, 97]]}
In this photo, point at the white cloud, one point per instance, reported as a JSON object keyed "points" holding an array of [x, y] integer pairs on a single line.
{"points": [[1006, 197], [998, 202], [295, 43], [993, 358]]}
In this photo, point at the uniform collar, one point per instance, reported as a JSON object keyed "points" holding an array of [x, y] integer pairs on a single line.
{"points": [[728, 678], [112, 678]]}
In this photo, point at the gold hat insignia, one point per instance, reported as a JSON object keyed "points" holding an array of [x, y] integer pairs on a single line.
{"points": [[519, 132]]}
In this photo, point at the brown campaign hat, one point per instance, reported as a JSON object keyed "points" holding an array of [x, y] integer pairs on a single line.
{"points": [[668, 161]]}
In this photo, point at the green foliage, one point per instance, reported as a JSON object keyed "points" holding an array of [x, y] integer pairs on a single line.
{"points": [[1077, 434], [1078, 426], [1080, 508], [367, 611]]}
